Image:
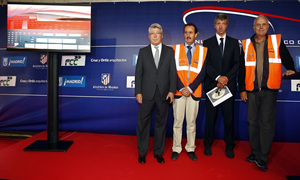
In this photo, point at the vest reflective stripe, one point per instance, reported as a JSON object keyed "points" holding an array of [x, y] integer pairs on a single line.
{"points": [[186, 73], [250, 63], [274, 78]]}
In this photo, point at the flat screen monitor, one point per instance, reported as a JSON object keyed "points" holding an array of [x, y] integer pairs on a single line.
{"points": [[49, 27]]}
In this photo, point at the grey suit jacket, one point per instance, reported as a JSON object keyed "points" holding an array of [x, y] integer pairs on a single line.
{"points": [[147, 77], [227, 65]]}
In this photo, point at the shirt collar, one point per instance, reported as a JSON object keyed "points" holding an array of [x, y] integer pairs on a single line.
{"points": [[159, 46], [218, 37], [192, 45]]}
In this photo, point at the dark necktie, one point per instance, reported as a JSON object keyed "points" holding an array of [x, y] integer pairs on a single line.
{"points": [[189, 54], [221, 46]]}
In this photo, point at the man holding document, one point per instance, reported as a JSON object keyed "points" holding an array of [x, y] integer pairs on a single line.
{"points": [[222, 67]]}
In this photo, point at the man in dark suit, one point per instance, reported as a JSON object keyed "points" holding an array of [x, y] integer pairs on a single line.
{"points": [[155, 85], [222, 67]]}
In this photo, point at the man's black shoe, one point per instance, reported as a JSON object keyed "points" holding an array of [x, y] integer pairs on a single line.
{"points": [[159, 159], [192, 156], [229, 153], [251, 158], [142, 159], [261, 164], [207, 151], [174, 156]]}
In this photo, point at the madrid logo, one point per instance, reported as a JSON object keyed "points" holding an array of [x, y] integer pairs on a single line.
{"points": [[14, 61], [297, 61], [4, 61]]}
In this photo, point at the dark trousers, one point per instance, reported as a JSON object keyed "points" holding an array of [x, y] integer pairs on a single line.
{"points": [[144, 124], [261, 117], [211, 117]]}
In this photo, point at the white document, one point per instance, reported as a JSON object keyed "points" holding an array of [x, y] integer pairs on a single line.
{"points": [[217, 96]]}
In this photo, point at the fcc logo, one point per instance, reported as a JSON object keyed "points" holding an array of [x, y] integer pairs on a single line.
{"points": [[78, 60], [7, 81], [130, 83], [295, 85]]}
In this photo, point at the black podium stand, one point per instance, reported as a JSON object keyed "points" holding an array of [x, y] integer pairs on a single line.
{"points": [[52, 143]]}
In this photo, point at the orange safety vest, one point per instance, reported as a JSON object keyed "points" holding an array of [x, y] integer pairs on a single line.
{"points": [[186, 73], [274, 78]]}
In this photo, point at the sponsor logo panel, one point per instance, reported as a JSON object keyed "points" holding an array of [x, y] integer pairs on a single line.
{"points": [[8, 81], [107, 60], [135, 58], [106, 84], [295, 85], [75, 60], [33, 81], [72, 81], [105, 78], [43, 62], [297, 61], [14, 61], [130, 82], [43, 58]]}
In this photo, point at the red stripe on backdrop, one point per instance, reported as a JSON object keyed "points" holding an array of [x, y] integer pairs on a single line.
{"points": [[98, 156], [240, 10]]}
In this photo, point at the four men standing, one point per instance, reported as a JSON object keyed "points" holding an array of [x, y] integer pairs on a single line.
{"points": [[217, 64]]}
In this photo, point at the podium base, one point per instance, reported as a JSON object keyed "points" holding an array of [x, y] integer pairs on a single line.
{"points": [[43, 145]]}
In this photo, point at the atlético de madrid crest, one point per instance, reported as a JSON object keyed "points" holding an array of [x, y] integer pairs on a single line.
{"points": [[105, 78]]}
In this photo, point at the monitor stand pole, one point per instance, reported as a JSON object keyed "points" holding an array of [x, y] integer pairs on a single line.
{"points": [[52, 143]]}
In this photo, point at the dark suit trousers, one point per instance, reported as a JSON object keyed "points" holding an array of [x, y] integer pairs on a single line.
{"points": [[211, 117], [144, 124], [261, 117]]}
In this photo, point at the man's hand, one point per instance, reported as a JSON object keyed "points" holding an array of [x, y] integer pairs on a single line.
{"points": [[243, 96], [220, 86], [288, 73], [185, 91], [171, 96], [139, 98], [223, 80]]}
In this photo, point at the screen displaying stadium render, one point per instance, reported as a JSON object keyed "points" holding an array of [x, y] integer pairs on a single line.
{"points": [[51, 28]]}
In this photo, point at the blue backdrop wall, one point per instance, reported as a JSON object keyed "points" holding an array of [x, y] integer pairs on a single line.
{"points": [[89, 104]]}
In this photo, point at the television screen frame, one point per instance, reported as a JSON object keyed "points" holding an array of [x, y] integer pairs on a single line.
{"points": [[49, 27]]}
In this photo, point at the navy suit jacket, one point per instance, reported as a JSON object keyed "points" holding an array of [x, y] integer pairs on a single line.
{"points": [[227, 65], [147, 76]]}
